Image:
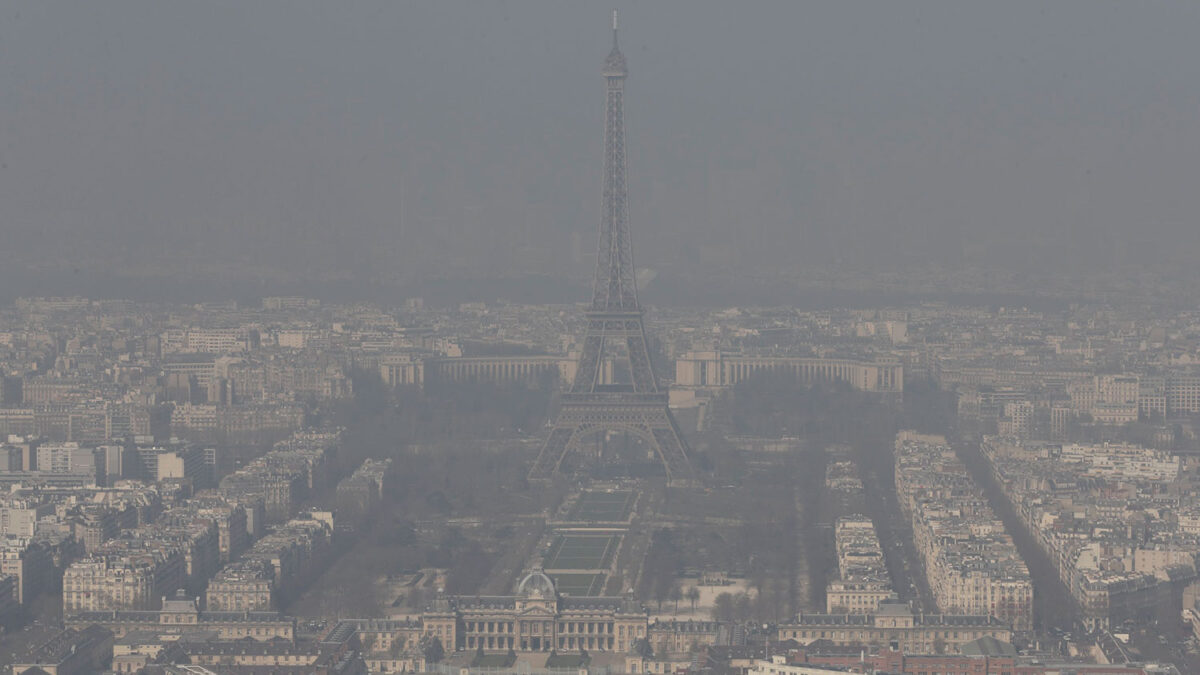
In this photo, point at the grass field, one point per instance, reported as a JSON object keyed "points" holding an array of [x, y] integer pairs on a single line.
{"points": [[602, 506], [582, 552], [579, 584]]}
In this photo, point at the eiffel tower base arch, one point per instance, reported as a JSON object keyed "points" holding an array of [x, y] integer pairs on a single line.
{"points": [[649, 420]]}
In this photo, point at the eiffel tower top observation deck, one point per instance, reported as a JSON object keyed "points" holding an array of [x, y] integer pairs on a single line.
{"points": [[614, 288], [614, 65]]}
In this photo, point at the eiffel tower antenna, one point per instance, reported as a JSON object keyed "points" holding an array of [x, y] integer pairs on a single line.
{"points": [[595, 405]]}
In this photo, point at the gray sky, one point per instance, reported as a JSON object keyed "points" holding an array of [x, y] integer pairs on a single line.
{"points": [[398, 140]]}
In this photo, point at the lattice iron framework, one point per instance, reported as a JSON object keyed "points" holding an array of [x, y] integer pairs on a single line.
{"points": [[614, 318]]}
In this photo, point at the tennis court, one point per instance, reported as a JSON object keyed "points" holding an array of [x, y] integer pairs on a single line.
{"points": [[582, 552], [602, 506], [579, 585]]}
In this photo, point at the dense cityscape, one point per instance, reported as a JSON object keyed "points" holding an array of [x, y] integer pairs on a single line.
{"points": [[920, 477], [334, 487]]}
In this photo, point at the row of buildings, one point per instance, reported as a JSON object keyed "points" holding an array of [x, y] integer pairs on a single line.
{"points": [[30, 460], [44, 528], [863, 581], [1091, 364], [894, 625], [93, 420], [698, 375], [1114, 519], [360, 494], [970, 561], [293, 469], [92, 372], [134, 552], [981, 657], [1049, 411], [276, 567], [343, 649]]}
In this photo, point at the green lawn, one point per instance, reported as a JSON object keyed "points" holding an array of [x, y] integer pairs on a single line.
{"points": [[602, 506], [579, 585], [582, 552]]}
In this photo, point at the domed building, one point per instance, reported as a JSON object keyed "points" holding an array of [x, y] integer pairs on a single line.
{"points": [[536, 618], [536, 585]]}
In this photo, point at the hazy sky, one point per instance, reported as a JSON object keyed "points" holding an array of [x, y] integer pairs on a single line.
{"points": [[395, 140]]}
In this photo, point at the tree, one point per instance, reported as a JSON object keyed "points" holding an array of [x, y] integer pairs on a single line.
{"points": [[434, 652], [660, 564], [722, 609], [693, 594], [676, 595], [644, 649], [743, 607]]}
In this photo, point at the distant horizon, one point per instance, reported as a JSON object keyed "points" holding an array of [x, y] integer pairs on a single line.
{"points": [[665, 292], [452, 141]]}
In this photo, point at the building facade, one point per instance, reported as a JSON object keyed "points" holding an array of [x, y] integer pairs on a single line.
{"points": [[717, 369], [897, 627], [538, 619]]}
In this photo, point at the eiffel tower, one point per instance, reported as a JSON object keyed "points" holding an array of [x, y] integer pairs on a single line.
{"points": [[596, 405]]}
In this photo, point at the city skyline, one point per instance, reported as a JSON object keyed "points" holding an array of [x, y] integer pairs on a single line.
{"points": [[309, 377]]}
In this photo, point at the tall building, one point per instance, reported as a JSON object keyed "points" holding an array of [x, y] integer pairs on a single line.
{"points": [[153, 463], [70, 458], [614, 327], [1182, 393]]}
